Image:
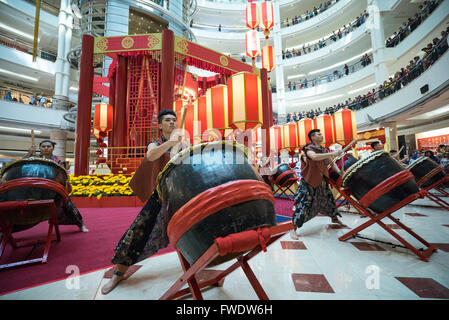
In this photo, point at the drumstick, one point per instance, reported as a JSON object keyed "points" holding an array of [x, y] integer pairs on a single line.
{"points": [[183, 117], [343, 151], [33, 141]]}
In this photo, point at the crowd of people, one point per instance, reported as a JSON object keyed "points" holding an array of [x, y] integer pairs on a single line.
{"points": [[308, 14], [441, 156], [413, 22], [401, 78], [334, 75], [336, 35], [35, 99]]}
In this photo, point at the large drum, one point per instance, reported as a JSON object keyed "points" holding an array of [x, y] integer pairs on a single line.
{"points": [[348, 161], [284, 172], [225, 195], [428, 169], [32, 179], [368, 172]]}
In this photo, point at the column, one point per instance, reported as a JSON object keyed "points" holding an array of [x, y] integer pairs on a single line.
{"points": [[375, 25], [391, 136], [280, 86], [60, 138], [167, 70]]}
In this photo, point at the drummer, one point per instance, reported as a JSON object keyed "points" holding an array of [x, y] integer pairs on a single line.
{"points": [[314, 195], [377, 145], [69, 213], [148, 233]]}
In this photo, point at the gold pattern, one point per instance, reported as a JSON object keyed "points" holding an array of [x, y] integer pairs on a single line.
{"points": [[183, 46], [152, 41], [127, 42], [103, 44], [224, 60]]}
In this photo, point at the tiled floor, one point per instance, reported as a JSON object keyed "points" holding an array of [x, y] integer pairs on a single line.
{"points": [[317, 266]]}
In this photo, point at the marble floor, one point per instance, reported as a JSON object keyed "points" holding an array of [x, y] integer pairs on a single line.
{"points": [[316, 267]]}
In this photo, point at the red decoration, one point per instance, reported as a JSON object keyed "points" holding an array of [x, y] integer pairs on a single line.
{"points": [[276, 138], [290, 139], [344, 126], [268, 58], [252, 15], [266, 15], [304, 127], [102, 124], [217, 109], [325, 123], [252, 44]]}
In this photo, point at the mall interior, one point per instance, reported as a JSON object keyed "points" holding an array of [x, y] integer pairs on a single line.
{"points": [[384, 63]]}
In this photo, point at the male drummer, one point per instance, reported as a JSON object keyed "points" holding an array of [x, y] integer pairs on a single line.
{"points": [[314, 195], [376, 145], [148, 233]]}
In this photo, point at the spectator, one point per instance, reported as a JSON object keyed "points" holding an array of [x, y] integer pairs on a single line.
{"points": [[8, 96], [42, 101], [346, 69]]}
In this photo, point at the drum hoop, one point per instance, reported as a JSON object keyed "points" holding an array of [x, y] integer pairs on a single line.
{"points": [[356, 166], [180, 154], [33, 159], [417, 161]]}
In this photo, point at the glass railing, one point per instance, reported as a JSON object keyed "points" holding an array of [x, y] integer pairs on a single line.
{"points": [[19, 96], [293, 20], [338, 73], [400, 80], [336, 35], [20, 45], [206, 2], [408, 27]]}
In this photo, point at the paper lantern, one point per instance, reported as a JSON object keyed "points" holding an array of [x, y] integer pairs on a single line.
{"points": [[344, 126], [304, 127], [190, 88], [276, 138], [268, 58], [217, 109], [266, 15], [245, 101], [252, 44], [188, 120], [252, 15], [325, 123], [103, 117], [200, 119], [290, 140]]}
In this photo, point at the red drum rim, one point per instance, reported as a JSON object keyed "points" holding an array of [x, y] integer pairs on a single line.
{"points": [[34, 182]]}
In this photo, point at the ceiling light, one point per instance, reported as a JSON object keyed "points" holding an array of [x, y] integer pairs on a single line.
{"points": [[74, 89], [18, 32], [19, 130], [296, 76], [18, 75], [340, 63], [363, 88]]}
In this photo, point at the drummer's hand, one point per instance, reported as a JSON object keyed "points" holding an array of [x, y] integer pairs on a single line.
{"points": [[337, 153], [176, 137], [32, 150]]}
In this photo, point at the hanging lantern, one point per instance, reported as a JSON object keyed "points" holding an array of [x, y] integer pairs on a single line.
{"points": [[200, 120], [325, 123], [103, 117], [252, 15], [290, 139], [276, 138], [245, 101], [304, 127], [268, 58], [252, 44], [190, 88], [344, 126], [266, 15], [217, 109]]}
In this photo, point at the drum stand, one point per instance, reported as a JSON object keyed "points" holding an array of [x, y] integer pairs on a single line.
{"points": [[250, 242], [6, 208], [382, 188], [285, 186], [435, 185]]}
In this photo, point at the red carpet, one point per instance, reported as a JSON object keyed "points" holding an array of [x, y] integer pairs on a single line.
{"points": [[89, 251]]}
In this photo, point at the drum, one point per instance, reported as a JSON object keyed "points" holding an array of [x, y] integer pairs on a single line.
{"points": [[368, 172], [32, 179], [286, 171], [424, 166], [348, 161], [212, 175]]}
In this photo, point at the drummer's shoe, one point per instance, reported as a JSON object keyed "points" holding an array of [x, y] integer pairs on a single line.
{"points": [[335, 219], [83, 228], [294, 235]]}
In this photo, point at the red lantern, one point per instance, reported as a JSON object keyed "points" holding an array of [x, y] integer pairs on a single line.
{"points": [[103, 117], [276, 138], [325, 123], [252, 15], [190, 88], [217, 109], [304, 127], [344, 126], [188, 121], [268, 58], [245, 101], [252, 44], [290, 139], [200, 119], [266, 15]]}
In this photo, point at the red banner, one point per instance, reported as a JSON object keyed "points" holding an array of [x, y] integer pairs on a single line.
{"points": [[433, 142]]}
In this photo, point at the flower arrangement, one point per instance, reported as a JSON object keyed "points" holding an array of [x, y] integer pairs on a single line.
{"points": [[100, 186]]}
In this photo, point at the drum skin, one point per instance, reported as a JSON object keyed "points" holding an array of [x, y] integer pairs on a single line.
{"points": [[348, 161], [179, 183], [421, 167], [367, 173], [31, 168], [280, 169]]}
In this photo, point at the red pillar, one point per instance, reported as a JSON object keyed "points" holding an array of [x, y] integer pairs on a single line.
{"points": [[120, 121], [83, 123], [168, 70], [112, 102], [266, 112]]}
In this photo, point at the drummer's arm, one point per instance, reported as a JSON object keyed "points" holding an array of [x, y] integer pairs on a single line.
{"points": [[322, 156], [155, 152], [336, 168]]}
